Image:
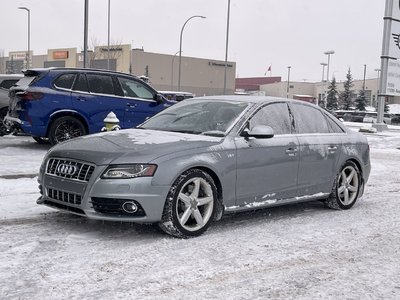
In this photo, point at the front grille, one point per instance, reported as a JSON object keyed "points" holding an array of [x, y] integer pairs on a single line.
{"points": [[64, 196], [69, 169], [113, 206]]}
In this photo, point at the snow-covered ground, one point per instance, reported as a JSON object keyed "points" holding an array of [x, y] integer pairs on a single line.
{"points": [[301, 251]]}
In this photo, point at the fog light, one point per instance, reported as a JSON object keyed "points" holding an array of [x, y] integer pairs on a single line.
{"points": [[129, 207]]}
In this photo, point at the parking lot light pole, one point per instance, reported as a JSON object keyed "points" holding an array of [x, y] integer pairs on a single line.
{"points": [[323, 64], [288, 82], [226, 46], [377, 85], [108, 37], [28, 58], [172, 70], [85, 34], [180, 49], [329, 53]]}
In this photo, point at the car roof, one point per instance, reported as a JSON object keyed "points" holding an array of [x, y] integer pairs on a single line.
{"points": [[251, 99], [58, 69]]}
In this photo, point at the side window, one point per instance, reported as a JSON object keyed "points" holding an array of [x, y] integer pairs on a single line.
{"points": [[275, 115], [135, 89], [309, 119], [65, 81], [81, 84], [333, 126], [100, 84]]}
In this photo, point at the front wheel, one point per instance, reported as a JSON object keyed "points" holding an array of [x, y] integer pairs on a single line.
{"points": [[65, 128], [190, 205], [346, 187]]}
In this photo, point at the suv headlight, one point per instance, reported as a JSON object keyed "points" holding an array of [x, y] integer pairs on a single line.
{"points": [[129, 171]]}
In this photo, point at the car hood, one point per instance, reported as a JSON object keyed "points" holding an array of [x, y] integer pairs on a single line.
{"points": [[130, 146]]}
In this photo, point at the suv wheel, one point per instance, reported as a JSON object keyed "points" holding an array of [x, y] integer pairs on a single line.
{"points": [[3, 129], [65, 128]]}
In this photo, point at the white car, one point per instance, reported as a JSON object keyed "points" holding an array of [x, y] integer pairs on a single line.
{"points": [[371, 117]]}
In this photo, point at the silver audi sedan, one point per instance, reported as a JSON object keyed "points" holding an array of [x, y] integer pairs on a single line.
{"points": [[203, 157]]}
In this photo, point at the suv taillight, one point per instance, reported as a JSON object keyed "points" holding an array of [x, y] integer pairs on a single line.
{"points": [[26, 95]]}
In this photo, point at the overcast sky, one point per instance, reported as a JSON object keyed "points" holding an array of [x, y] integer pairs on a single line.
{"points": [[280, 33]]}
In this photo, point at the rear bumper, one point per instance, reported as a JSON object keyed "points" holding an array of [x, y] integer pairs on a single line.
{"points": [[14, 124]]}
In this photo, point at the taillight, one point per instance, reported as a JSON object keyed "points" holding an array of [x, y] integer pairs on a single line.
{"points": [[26, 95]]}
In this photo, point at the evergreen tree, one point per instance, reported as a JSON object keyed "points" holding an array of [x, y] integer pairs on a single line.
{"points": [[332, 98], [361, 101], [346, 97]]}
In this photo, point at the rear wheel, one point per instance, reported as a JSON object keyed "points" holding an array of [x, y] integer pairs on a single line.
{"points": [[190, 206], [65, 128], [3, 129], [346, 187]]}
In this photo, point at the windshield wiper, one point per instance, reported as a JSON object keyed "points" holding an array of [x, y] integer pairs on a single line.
{"points": [[183, 131]]}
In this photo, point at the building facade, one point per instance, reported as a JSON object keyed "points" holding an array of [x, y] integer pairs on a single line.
{"points": [[199, 76]]}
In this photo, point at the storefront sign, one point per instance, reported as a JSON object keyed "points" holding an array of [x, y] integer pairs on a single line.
{"points": [[18, 55], [60, 54], [393, 78]]}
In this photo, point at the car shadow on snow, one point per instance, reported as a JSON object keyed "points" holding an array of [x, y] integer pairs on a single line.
{"points": [[110, 230], [23, 143]]}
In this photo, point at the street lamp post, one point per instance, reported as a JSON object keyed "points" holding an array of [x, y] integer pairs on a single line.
{"points": [[323, 64], [288, 82], [85, 34], [28, 58], [329, 57], [377, 85], [172, 71], [329, 53], [108, 37], [180, 49], [226, 46]]}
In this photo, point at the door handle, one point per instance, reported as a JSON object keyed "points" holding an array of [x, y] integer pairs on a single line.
{"points": [[291, 151], [131, 105], [82, 99], [332, 149]]}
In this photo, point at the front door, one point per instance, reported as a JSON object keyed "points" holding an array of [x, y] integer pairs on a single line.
{"points": [[267, 168]]}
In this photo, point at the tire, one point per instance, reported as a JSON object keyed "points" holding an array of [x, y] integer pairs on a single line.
{"points": [[190, 205], [65, 128], [3, 129], [346, 187], [41, 140]]}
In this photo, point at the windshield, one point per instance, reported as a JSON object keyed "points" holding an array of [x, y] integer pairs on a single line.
{"points": [[208, 117]]}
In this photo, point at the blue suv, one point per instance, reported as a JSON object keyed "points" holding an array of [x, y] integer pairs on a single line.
{"points": [[58, 104]]}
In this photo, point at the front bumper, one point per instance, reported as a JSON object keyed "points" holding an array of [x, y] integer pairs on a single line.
{"points": [[102, 199]]}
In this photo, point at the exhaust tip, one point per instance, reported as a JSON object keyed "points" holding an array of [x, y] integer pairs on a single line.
{"points": [[129, 207]]}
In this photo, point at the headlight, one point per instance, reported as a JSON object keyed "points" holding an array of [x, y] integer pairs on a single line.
{"points": [[129, 171]]}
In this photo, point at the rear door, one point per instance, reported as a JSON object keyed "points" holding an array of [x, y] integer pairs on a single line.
{"points": [[320, 142], [94, 96]]}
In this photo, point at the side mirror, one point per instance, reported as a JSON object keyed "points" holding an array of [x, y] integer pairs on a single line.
{"points": [[159, 98], [259, 132]]}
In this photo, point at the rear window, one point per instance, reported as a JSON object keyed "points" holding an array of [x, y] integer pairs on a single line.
{"points": [[65, 81], [26, 81]]}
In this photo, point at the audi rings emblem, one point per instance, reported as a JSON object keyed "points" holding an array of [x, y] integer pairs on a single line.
{"points": [[65, 169]]}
